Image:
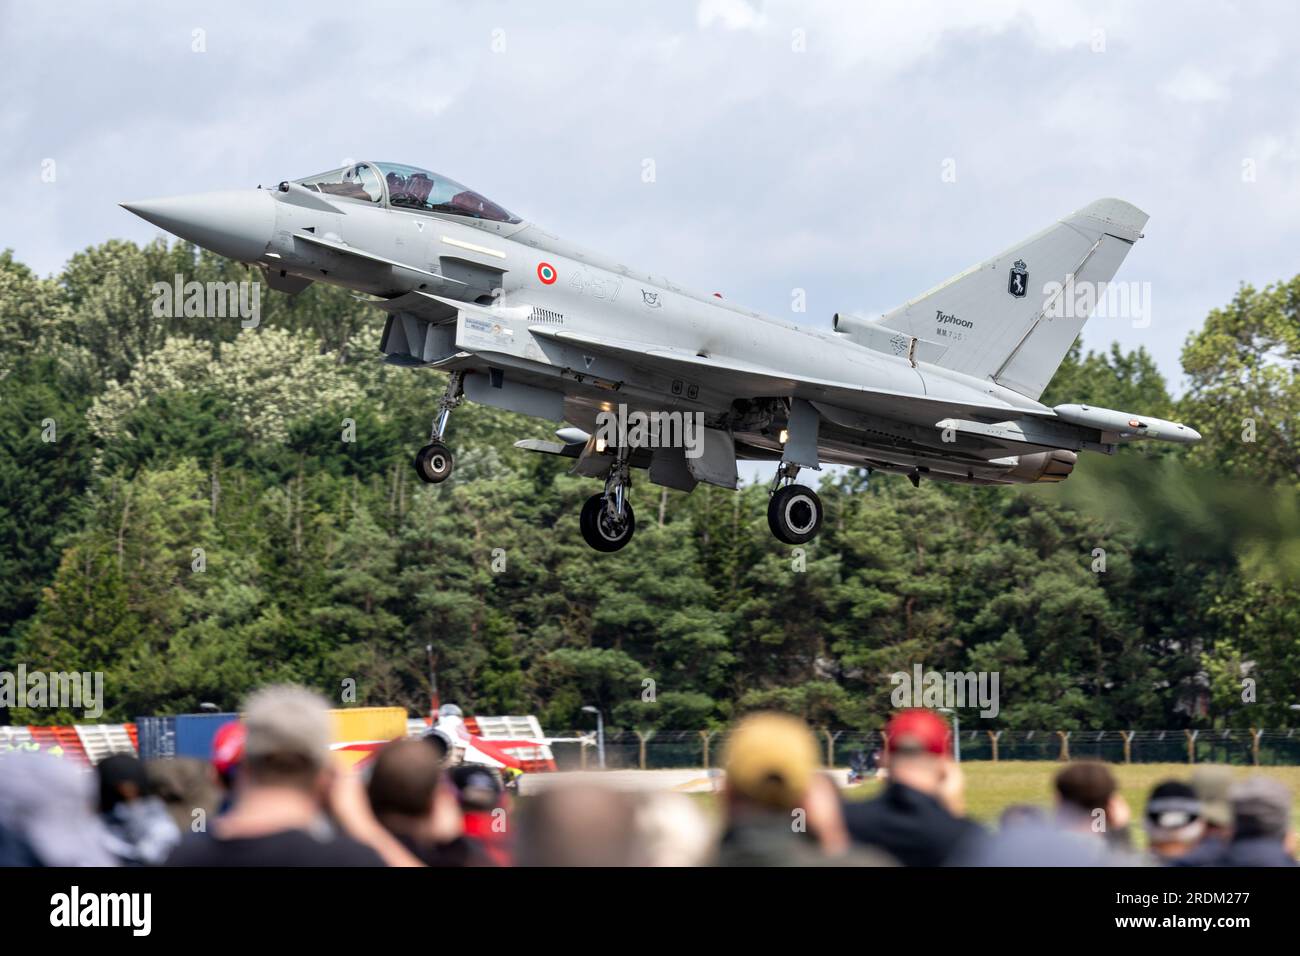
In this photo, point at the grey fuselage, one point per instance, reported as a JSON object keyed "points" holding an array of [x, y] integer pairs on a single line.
{"points": [[945, 385], [497, 266]]}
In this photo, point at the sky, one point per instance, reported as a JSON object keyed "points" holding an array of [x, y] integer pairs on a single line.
{"points": [[860, 152]]}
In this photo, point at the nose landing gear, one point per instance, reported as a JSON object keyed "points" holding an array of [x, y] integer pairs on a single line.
{"points": [[434, 462]]}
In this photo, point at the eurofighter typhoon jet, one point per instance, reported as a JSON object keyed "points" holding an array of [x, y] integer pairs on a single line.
{"points": [[944, 387]]}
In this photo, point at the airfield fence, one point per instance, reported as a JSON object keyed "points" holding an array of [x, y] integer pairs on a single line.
{"points": [[677, 749]]}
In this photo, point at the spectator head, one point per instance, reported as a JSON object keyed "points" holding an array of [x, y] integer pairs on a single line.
{"points": [[48, 805], [918, 750], [228, 750], [770, 761], [184, 784], [571, 824], [478, 789], [122, 779], [1261, 807], [674, 831], [403, 781], [479, 800], [1211, 783], [1174, 821], [287, 742], [1084, 789]]}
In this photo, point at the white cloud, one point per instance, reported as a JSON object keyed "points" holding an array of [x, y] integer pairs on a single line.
{"points": [[1192, 85], [730, 14]]}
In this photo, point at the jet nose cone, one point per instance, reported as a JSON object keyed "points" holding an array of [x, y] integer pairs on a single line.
{"points": [[238, 224]]}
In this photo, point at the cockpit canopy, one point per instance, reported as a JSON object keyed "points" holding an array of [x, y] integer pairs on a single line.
{"points": [[406, 187]]}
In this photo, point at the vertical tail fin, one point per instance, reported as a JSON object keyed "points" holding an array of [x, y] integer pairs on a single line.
{"points": [[1004, 318]]}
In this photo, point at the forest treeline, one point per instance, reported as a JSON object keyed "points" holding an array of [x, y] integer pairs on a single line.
{"points": [[180, 510]]}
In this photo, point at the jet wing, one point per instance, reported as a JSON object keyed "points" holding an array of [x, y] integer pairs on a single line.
{"points": [[750, 380]]}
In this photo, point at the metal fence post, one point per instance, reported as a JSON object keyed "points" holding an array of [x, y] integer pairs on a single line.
{"points": [[644, 736], [705, 737]]}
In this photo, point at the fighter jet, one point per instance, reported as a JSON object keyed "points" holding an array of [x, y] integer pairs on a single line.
{"points": [[945, 387]]}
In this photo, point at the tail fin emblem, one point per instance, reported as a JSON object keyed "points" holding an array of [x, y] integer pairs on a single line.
{"points": [[1018, 281]]}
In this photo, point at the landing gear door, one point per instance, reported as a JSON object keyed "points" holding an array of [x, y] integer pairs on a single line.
{"points": [[716, 463]]}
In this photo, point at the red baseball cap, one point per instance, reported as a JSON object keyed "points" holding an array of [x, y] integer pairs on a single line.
{"points": [[919, 730], [228, 746]]}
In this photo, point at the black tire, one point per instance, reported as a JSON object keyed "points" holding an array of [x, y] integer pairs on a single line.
{"points": [[598, 529], [794, 513], [434, 463]]}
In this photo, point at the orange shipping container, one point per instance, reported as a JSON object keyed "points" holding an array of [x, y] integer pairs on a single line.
{"points": [[357, 724]]}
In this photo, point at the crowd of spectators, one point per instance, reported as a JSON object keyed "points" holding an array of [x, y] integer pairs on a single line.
{"points": [[272, 795]]}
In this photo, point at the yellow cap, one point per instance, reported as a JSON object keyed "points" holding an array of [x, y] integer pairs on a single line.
{"points": [[771, 759]]}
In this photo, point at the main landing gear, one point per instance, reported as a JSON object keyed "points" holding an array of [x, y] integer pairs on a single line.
{"points": [[794, 512], [607, 520], [434, 462]]}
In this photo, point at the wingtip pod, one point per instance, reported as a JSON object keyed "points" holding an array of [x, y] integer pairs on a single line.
{"points": [[1126, 425], [1118, 218]]}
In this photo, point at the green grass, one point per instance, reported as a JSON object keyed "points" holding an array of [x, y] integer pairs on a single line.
{"points": [[991, 787]]}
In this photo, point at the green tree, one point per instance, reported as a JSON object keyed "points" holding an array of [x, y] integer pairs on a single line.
{"points": [[1243, 388]]}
